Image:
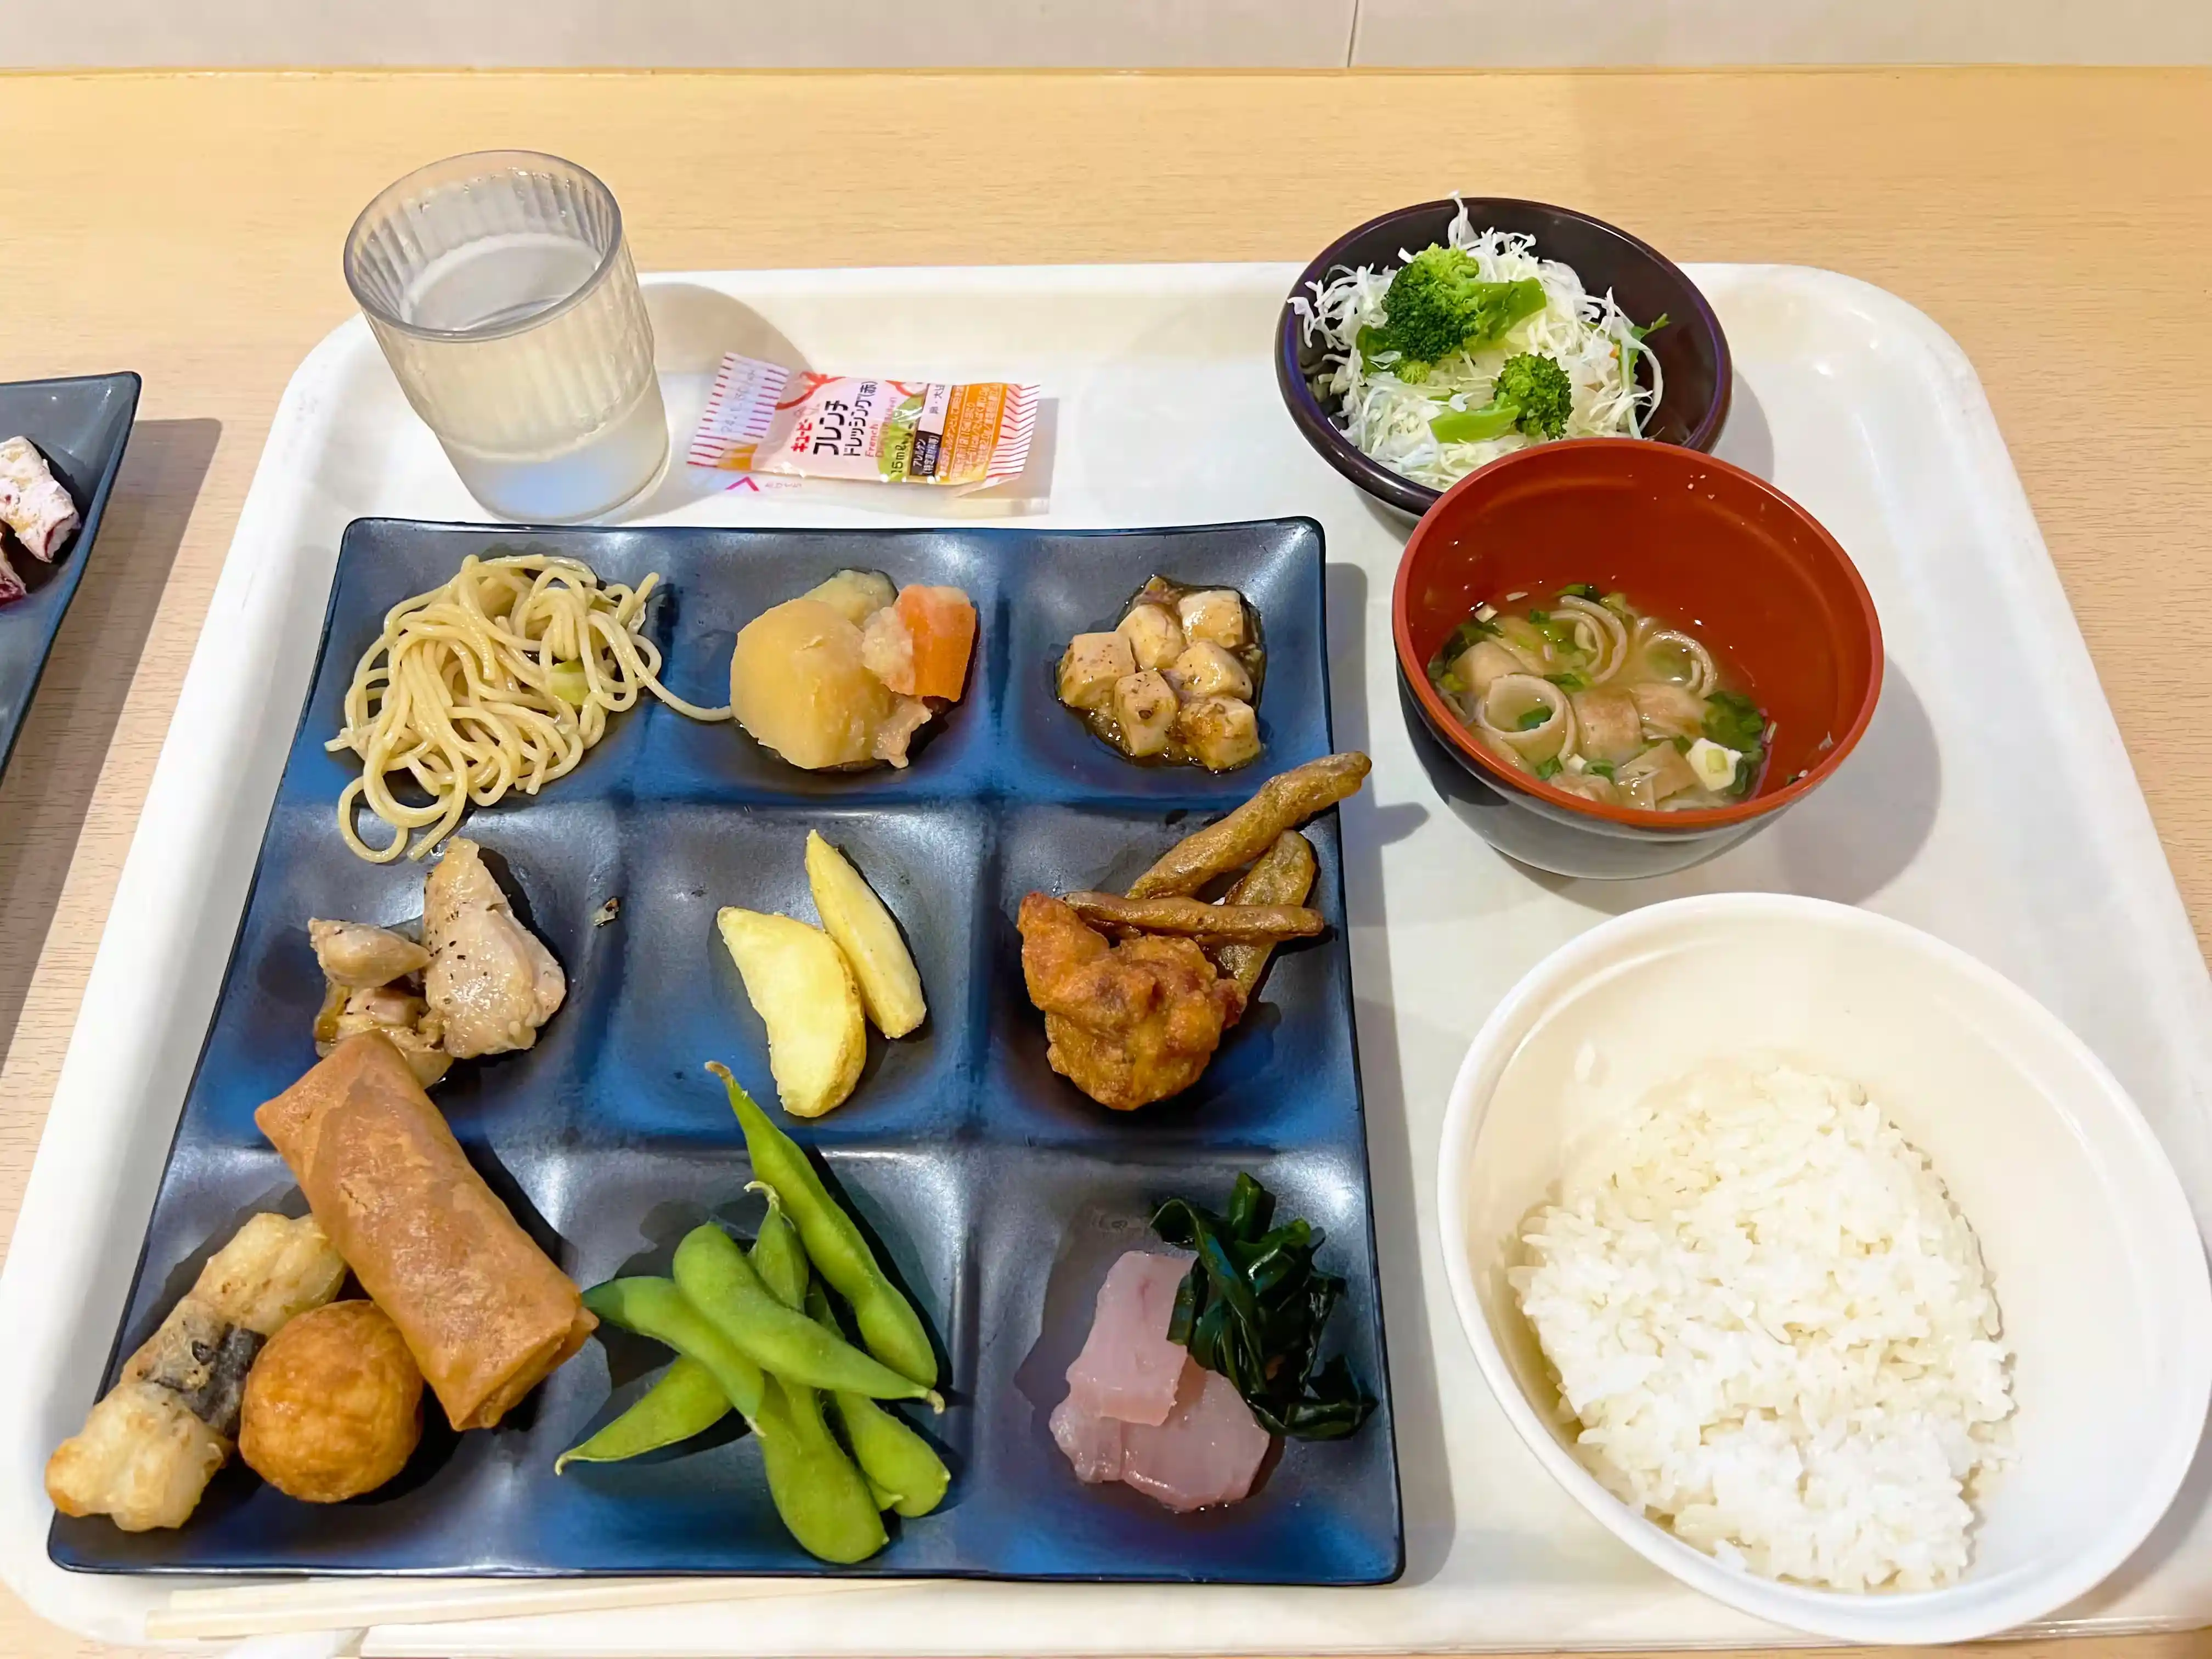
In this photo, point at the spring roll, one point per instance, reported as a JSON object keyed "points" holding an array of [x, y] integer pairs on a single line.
{"points": [[485, 1313]]}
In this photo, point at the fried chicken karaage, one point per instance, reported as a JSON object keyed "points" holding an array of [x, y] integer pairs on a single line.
{"points": [[1126, 1024]]}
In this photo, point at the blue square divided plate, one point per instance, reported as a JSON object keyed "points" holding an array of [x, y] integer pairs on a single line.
{"points": [[79, 426], [998, 1195]]}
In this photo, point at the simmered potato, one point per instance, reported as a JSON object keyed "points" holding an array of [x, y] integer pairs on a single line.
{"points": [[855, 595], [852, 914], [797, 683], [803, 989]]}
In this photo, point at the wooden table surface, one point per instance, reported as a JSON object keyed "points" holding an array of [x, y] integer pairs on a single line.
{"points": [[2058, 222]]}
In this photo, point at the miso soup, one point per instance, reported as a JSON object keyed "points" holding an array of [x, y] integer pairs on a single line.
{"points": [[1598, 698]]}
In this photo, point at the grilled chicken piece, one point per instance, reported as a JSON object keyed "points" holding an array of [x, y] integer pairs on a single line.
{"points": [[392, 1009], [490, 981], [358, 955]]}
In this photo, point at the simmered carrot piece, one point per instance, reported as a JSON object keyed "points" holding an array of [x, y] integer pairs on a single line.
{"points": [[943, 623]]}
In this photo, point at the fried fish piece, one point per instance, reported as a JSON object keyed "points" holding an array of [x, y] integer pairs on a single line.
{"points": [[1129, 1024], [1284, 875], [1194, 919], [1284, 802], [154, 1441]]}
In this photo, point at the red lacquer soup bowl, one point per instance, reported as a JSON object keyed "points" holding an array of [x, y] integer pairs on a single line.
{"points": [[1704, 544]]}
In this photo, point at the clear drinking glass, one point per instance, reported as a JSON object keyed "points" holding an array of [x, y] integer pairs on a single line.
{"points": [[502, 291]]}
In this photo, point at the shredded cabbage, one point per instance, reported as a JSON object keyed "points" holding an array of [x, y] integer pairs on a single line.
{"points": [[1588, 335]]}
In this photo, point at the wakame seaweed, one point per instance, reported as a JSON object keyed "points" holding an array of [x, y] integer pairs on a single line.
{"points": [[1252, 1309]]}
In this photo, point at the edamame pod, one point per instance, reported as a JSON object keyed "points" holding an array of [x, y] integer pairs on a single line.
{"points": [[903, 1469], [777, 1254], [657, 1308], [888, 1325], [714, 1274], [687, 1401], [817, 1492]]}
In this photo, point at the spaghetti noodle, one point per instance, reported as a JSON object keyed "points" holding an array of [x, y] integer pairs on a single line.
{"points": [[501, 680]]}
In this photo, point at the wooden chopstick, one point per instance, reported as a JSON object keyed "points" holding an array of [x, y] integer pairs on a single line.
{"points": [[284, 1609]]}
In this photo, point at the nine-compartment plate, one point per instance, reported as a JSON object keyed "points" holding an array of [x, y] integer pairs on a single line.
{"points": [[998, 1193]]}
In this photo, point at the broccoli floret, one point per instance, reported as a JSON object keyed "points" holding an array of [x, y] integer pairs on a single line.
{"points": [[1532, 396], [1439, 304]]}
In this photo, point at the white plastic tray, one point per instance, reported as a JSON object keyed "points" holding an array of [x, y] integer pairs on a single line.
{"points": [[1163, 409]]}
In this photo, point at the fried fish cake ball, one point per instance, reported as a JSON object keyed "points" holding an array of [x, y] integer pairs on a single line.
{"points": [[333, 1405]]}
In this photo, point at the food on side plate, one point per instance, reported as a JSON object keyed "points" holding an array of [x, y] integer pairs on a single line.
{"points": [[154, 1441], [889, 1328], [333, 1406], [755, 1331], [804, 990], [484, 1311], [831, 426], [1284, 802], [1254, 1308], [502, 678], [1217, 924], [1126, 1024], [1774, 1330], [1604, 701], [1284, 874], [1472, 349], [843, 676], [1176, 679], [852, 914], [481, 983], [490, 979], [35, 506]]}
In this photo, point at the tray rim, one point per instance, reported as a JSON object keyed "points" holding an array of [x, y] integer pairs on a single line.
{"points": [[73, 1149]]}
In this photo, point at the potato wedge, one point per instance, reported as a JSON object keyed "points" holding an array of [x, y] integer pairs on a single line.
{"points": [[852, 914], [802, 987]]}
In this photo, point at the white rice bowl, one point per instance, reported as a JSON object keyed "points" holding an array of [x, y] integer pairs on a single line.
{"points": [[2091, 1253], [1773, 1330]]}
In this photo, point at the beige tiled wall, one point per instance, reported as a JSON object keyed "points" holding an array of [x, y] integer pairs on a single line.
{"points": [[680, 34], [1094, 33], [1563, 32]]}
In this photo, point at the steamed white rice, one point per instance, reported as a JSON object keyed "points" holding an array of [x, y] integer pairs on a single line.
{"points": [[1776, 1331]]}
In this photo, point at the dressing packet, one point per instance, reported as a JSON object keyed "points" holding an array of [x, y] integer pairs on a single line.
{"points": [[762, 418]]}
